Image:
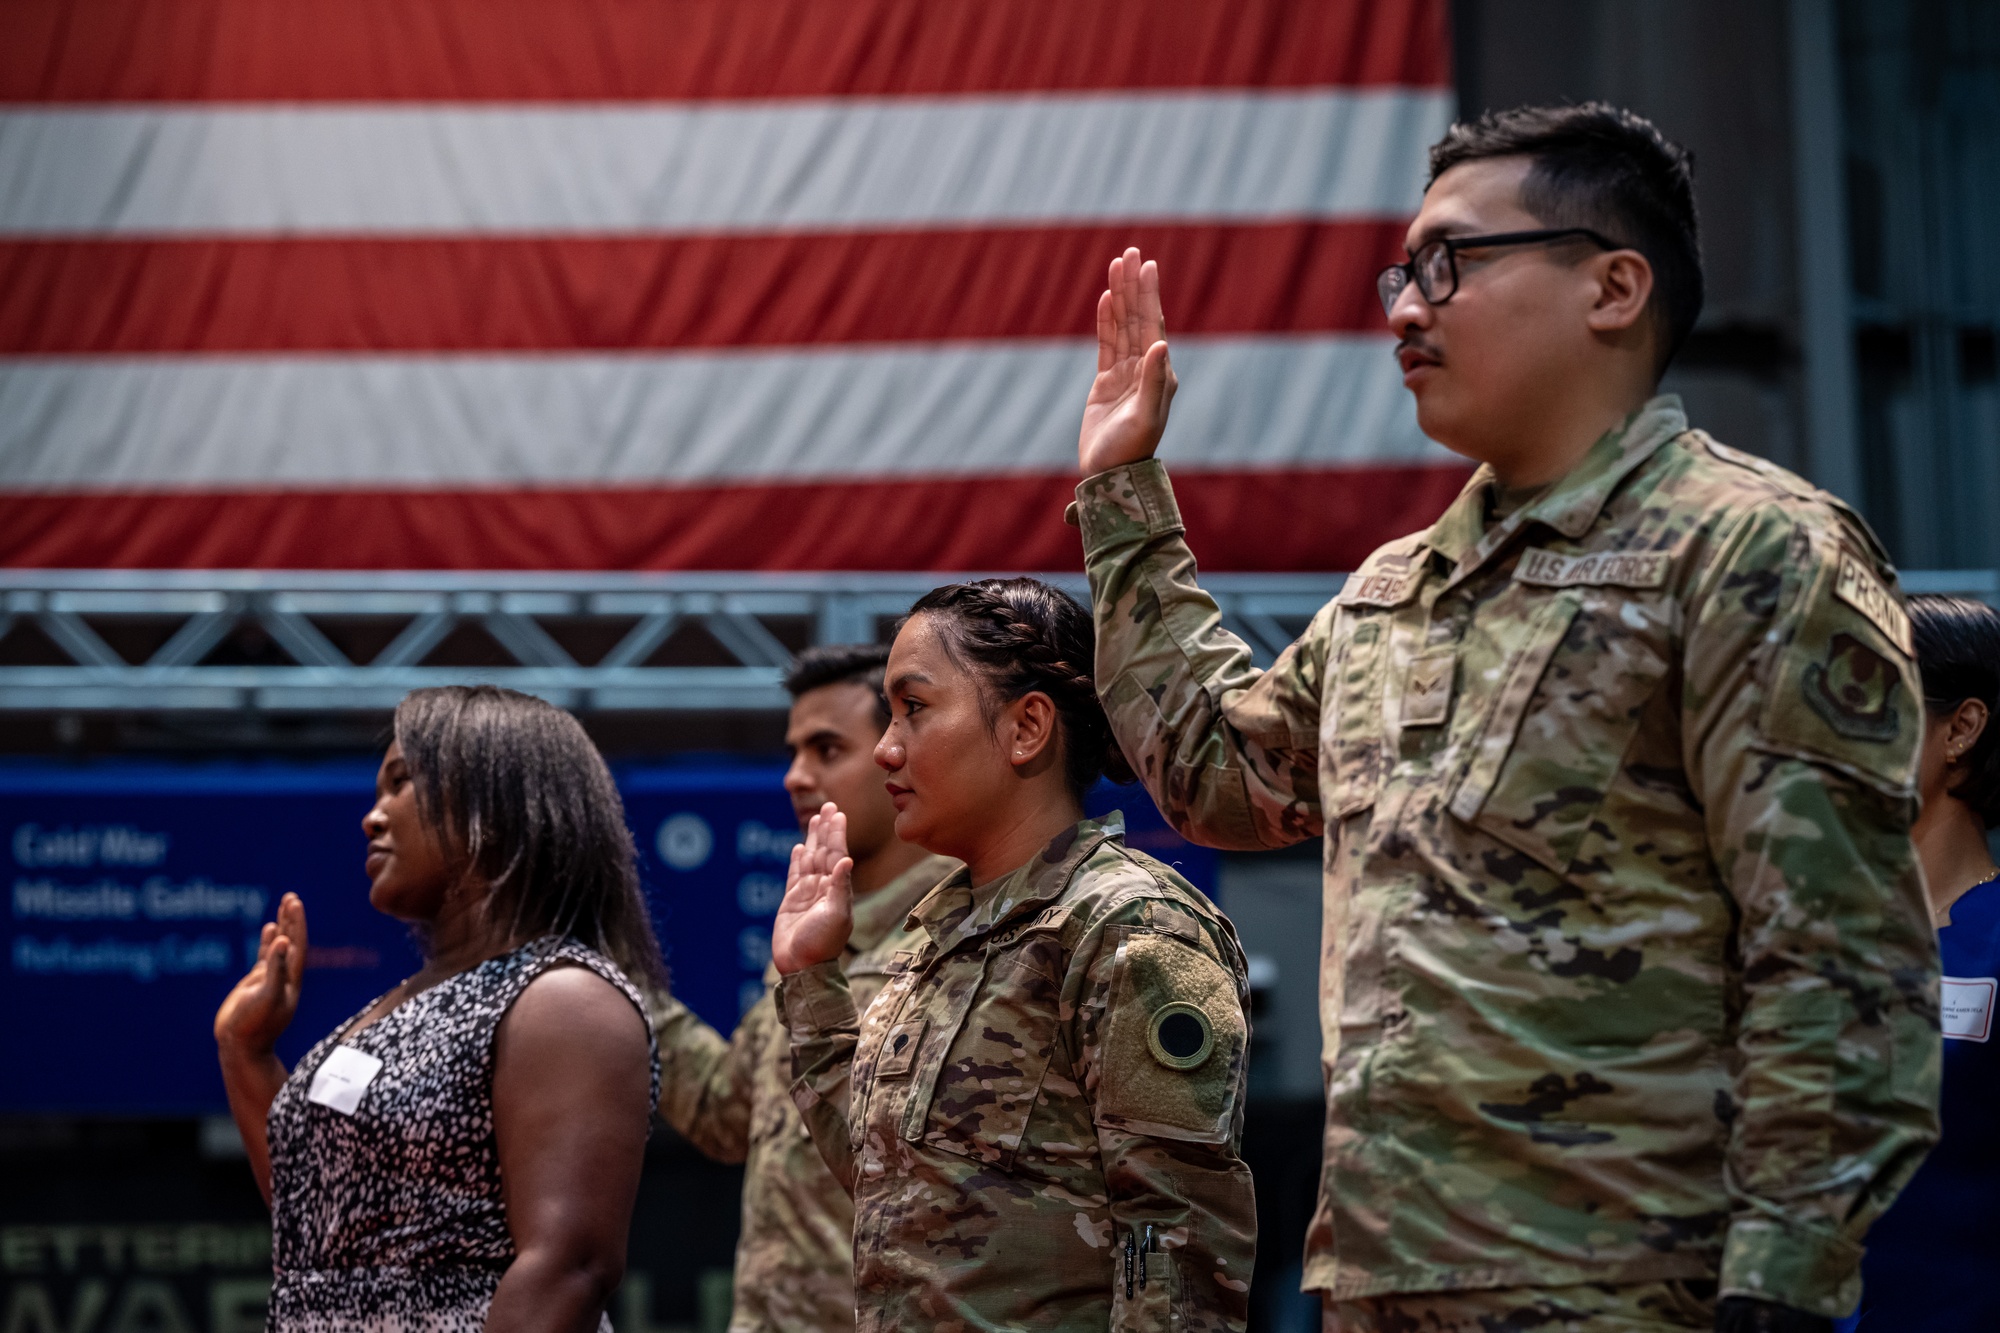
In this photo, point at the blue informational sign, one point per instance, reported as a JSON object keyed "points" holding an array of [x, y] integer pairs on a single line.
{"points": [[136, 893], [714, 844]]}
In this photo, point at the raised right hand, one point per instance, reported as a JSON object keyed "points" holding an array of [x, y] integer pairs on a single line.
{"points": [[817, 915], [1127, 409], [258, 1011]]}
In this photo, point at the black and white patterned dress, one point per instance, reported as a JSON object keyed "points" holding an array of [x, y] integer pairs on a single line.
{"points": [[391, 1219]]}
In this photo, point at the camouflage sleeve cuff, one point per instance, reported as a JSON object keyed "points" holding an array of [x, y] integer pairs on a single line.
{"points": [[816, 1001], [1130, 503], [1806, 1267]]}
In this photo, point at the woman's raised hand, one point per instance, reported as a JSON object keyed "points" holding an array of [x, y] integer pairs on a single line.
{"points": [[817, 915], [258, 1011], [1127, 408]]}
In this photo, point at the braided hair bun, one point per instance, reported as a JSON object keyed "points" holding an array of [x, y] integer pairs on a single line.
{"points": [[1021, 635]]}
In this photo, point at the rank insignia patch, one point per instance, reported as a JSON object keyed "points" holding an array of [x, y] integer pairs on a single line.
{"points": [[1854, 690], [1427, 694], [899, 1049]]}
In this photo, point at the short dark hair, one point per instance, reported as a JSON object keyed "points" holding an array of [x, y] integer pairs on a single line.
{"points": [[1605, 168], [841, 664], [1958, 654], [521, 801], [1021, 635]]}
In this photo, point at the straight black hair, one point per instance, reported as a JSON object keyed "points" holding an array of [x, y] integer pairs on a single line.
{"points": [[841, 664], [523, 804], [1958, 654], [1602, 167], [1022, 635]]}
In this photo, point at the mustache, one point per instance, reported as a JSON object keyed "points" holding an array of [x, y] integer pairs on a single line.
{"points": [[1413, 343]]}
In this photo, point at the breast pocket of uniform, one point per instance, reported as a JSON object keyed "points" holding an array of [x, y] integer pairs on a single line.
{"points": [[1567, 707], [1351, 720], [985, 1085]]}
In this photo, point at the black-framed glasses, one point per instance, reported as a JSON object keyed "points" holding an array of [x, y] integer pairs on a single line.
{"points": [[1434, 267]]}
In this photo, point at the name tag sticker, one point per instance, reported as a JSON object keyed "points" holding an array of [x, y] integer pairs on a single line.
{"points": [[1861, 590], [341, 1079], [1623, 569], [1968, 1008]]}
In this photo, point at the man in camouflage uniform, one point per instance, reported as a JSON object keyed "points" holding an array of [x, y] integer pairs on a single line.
{"points": [[1628, 992], [731, 1097]]}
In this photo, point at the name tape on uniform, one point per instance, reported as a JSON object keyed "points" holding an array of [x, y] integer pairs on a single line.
{"points": [[1967, 1008], [1623, 569], [1857, 585], [1385, 581], [342, 1077]]}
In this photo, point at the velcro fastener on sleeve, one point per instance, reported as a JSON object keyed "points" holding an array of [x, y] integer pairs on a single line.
{"points": [[1175, 1042]]}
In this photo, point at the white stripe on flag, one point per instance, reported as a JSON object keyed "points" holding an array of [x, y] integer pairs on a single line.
{"points": [[467, 421], [848, 164]]}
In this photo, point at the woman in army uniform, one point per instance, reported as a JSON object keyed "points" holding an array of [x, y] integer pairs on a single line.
{"points": [[1040, 1115]]}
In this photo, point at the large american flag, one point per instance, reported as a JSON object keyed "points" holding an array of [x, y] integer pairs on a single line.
{"points": [[654, 284]]}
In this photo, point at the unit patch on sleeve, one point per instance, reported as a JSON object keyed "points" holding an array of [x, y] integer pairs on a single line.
{"points": [[1854, 690], [1859, 588], [1181, 1036], [1170, 1061], [1623, 569]]}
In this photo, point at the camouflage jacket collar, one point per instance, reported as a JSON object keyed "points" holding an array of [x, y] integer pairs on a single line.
{"points": [[1569, 506], [957, 911], [880, 912]]}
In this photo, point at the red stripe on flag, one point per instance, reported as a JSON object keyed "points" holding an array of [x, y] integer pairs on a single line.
{"points": [[1281, 520], [603, 50], [572, 294]]}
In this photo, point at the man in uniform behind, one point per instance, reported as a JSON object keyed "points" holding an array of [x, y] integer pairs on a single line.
{"points": [[1628, 991], [731, 1097]]}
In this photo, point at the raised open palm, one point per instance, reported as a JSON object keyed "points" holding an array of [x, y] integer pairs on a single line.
{"points": [[256, 1013], [817, 915], [1127, 408]]}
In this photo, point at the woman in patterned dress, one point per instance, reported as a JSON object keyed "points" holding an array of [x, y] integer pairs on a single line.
{"points": [[464, 1153]]}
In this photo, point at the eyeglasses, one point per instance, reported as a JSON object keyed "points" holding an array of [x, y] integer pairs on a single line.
{"points": [[1434, 267]]}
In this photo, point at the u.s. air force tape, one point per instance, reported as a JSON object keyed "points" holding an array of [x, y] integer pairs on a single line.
{"points": [[1180, 1035]]}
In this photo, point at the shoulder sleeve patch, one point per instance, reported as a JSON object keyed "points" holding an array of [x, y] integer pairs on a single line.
{"points": [[1180, 1035], [1844, 688], [1173, 1054]]}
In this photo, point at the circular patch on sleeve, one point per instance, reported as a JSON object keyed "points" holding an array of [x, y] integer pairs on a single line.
{"points": [[1181, 1035]]}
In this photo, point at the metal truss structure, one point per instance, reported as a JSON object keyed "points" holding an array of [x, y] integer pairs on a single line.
{"points": [[260, 642], [264, 642]]}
